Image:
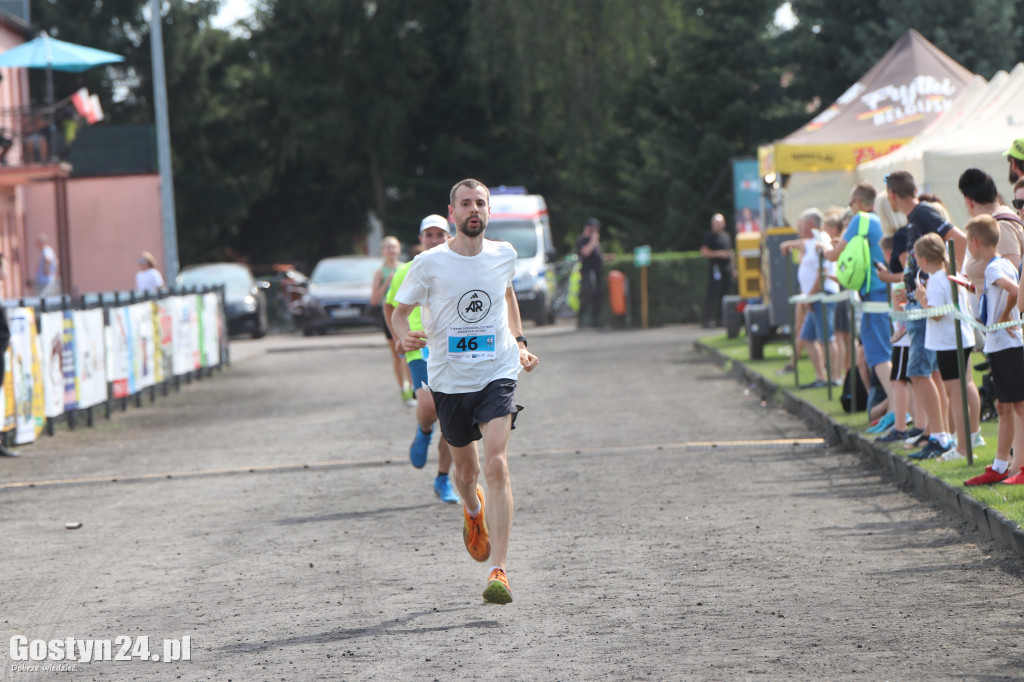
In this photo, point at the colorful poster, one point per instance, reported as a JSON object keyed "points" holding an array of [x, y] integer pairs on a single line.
{"points": [[142, 345], [163, 349], [186, 334], [90, 357], [747, 195], [67, 361], [211, 326], [22, 323], [119, 361], [51, 337], [10, 419], [38, 397]]}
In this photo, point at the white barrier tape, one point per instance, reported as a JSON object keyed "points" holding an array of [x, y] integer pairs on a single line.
{"points": [[827, 298], [913, 314]]}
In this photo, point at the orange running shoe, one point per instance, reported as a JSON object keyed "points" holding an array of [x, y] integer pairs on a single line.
{"points": [[474, 531], [497, 591]]}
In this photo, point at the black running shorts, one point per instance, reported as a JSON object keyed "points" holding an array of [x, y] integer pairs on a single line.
{"points": [[460, 414], [948, 368], [1008, 374]]}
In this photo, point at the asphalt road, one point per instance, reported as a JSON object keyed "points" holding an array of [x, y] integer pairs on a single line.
{"points": [[666, 527]]}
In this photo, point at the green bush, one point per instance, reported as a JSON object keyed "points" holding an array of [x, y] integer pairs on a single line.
{"points": [[676, 283]]}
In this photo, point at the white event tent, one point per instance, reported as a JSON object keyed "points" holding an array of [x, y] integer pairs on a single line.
{"points": [[975, 132]]}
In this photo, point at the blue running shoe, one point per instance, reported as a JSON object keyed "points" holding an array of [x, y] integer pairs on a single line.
{"points": [[931, 450], [884, 423], [443, 489], [419, 448]]}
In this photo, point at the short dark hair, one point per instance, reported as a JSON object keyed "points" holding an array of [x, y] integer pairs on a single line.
{"points": [[470, 183], [978, 186], [865, 192], [902, 184]]}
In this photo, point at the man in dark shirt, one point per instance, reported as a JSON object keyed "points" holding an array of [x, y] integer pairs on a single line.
{"points": [[717, 249], [588, 247]]}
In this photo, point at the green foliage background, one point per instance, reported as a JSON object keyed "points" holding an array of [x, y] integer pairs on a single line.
{"points": [[289, 133]]}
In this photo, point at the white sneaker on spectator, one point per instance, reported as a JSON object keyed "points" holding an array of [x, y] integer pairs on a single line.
{"points": [[951, 455]]}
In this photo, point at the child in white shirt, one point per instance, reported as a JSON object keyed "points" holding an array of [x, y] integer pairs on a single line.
{"points": [[1004, 349], [940, 336]]}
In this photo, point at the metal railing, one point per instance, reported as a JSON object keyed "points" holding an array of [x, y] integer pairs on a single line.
{"points": [[104, 350]]}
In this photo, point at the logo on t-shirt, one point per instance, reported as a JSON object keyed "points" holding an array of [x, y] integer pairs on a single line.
{"points": [[474, 306]]}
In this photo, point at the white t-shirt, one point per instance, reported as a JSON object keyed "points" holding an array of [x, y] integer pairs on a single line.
{"points": [[149, 279], [940, 332], [995, 298], [807, 271], [467, 328]]}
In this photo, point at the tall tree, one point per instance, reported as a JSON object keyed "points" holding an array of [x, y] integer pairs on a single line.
{"points": [[715, 90]]}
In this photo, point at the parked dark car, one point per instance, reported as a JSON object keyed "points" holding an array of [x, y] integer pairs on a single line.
{"points": [[245, 298], [338, 295]]}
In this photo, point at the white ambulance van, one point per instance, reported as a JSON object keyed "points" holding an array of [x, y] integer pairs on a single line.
{"points": [[522, 220]]}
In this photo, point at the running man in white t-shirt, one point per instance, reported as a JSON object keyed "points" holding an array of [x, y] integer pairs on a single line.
{"points": [[476, 343]]}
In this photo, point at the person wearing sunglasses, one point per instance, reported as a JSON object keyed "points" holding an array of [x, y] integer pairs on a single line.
{"points": [[981, 198], [1018, 197]]}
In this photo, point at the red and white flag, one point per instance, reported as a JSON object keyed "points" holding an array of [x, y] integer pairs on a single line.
{"points": [[87, 106]]}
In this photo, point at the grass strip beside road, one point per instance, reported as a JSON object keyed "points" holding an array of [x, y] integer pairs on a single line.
{"points": [[1007, 499]]}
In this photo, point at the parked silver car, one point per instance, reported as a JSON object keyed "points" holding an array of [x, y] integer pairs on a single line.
{"points": [[339, 295], [245, 297]]}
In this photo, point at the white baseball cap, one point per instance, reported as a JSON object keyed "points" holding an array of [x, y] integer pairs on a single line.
{"points": [[434, 220]]}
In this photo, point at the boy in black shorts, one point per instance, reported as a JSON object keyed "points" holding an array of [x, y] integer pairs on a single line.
{"points": [[1004, 348]]}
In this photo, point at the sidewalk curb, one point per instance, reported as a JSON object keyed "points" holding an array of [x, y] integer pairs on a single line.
{"points": [[990, 523]]}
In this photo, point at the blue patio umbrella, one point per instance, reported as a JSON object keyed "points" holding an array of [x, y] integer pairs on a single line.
{"points": [[44, 52]]}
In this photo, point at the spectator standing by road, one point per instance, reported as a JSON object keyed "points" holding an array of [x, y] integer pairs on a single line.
{"points": [[391, 249], [1015, 155], [476, 350], [1003, 349], [940, 336], [1018, 197], [818, 316], [47, 282], [588, 248], [875, 328], [433, 231], [922, 219], [148, 278], [717, 249], [981, 198]]}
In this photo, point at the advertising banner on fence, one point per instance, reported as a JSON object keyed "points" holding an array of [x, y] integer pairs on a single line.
{"points": [[68, 361], [22, 323], [163, 348], [186, 334], [51, 336], [61, 361], [90, 358], [119, 362], [38, 399], [142, 353], [211, 325]]}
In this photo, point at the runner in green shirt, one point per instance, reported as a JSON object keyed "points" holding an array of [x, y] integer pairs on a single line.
{"points": [[433, 231]]}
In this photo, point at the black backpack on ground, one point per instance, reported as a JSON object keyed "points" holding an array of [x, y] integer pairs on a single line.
{"points": [[862, 393]]}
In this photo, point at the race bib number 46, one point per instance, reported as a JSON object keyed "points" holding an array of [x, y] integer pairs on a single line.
{"points": [[471, 342]]}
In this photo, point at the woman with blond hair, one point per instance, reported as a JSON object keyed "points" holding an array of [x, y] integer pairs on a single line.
{"points": [[148, 278], [391, 250], [890, 219]]}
